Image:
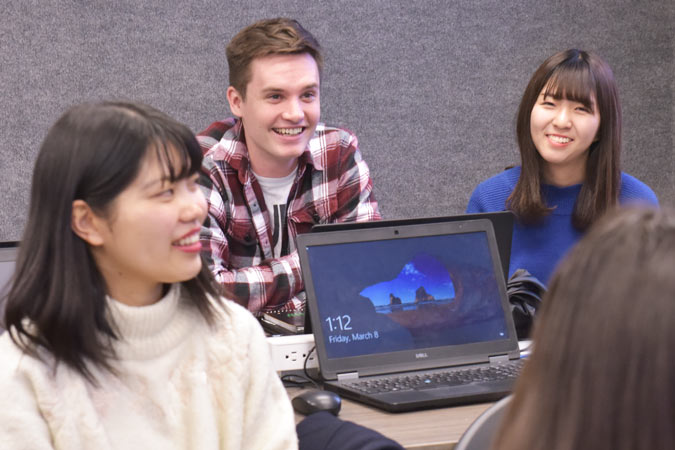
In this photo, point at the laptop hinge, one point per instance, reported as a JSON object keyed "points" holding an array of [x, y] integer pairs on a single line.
{"points": [[498, 359], [348, 376]]}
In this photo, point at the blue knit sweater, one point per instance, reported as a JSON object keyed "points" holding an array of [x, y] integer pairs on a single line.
{"points": [[538, 248]]}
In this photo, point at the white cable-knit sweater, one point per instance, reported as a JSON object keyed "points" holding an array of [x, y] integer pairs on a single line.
{"points": [[182, 385]]}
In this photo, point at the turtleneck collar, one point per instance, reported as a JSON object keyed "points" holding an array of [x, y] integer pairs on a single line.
{"points": [[149, 331]]}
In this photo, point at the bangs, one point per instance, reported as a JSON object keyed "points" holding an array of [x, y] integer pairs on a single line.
{"points": [[573, 81], [179, 154]]}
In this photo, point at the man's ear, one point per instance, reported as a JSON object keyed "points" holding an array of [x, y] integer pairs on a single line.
{"points": [[86, 224], [235, 100]]}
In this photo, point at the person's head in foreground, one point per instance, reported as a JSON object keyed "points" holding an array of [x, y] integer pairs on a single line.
{"points": [[602, 369]]}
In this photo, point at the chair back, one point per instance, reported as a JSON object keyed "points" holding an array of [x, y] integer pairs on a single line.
{"points": [[480, 433]]}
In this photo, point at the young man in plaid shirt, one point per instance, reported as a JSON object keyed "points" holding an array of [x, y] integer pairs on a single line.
{"points": [[274, 171]]}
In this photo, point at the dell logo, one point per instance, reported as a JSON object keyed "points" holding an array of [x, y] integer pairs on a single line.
{"points": [[421, 355]]}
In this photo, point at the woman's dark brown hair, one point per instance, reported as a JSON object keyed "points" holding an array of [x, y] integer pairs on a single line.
{"points": [[602, 369], [582, 77], [57, 297]]}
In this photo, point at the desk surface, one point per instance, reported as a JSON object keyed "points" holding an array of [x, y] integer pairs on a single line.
{"points": [[431, 429]]}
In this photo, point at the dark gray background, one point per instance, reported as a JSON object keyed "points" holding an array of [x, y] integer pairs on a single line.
{"points": [[430, 87]]}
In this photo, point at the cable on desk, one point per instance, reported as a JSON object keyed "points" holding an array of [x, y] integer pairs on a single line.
{"points": [[304, 368], [296, 380]]}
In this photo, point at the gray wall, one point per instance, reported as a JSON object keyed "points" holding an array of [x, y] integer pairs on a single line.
{"points": [[430, 87]]}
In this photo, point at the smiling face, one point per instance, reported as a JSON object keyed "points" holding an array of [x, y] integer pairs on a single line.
{"points": [[150, 235], [562, 131], [280, 111]]}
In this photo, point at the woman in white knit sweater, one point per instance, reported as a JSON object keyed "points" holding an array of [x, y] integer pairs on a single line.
{"points": [[116, 337]]}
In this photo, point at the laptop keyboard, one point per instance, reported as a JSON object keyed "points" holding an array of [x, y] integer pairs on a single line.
{"points": [[455, 377]]}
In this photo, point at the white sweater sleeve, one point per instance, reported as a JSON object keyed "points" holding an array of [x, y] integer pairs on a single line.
{"points": [[268, 417], [21, 424]]}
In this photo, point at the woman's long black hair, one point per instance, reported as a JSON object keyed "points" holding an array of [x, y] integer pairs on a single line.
{"points": [[57, 297]]}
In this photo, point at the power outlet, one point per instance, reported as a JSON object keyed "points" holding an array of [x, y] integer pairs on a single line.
{"points": [[289, 352]]}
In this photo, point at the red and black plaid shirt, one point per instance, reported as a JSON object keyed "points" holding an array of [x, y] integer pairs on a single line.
{"points": [[332, 185]]}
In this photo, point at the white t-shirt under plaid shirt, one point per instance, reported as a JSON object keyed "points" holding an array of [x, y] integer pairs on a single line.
{"points": [[275, 191]]}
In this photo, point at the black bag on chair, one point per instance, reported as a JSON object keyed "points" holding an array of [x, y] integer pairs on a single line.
{"points": [[525, 292]]}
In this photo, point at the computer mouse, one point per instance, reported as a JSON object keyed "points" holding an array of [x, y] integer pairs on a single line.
{"points": [[315, 400]]}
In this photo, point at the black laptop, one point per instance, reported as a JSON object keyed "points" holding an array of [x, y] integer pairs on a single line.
{"points": [[412, 316]]}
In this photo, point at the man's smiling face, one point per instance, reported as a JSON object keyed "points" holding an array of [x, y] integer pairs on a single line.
{"points": [[279, 112]]}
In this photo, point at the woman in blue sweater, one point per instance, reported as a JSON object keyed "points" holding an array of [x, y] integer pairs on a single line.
{"points": [[569, 134]]}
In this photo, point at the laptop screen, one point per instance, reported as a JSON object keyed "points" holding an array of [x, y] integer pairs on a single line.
{"points": [[384, 296], [403, 294]]}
